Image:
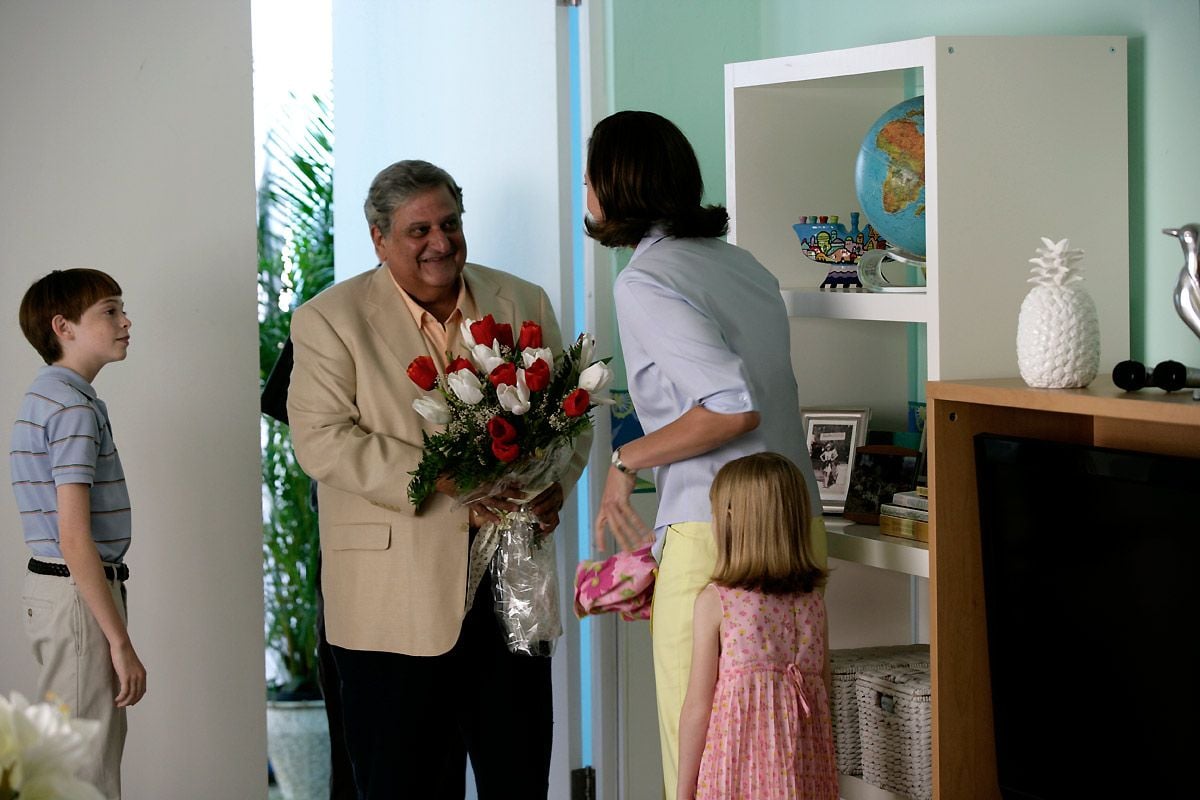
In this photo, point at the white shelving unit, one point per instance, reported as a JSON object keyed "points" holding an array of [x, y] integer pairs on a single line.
{"points": [[1025, 137], [864, 544], [824, 304]]}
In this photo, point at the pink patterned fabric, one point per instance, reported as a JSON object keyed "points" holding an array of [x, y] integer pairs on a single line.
{"points": [[623, 583], [770, 735]]}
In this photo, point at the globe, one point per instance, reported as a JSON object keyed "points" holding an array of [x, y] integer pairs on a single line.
{"points": [[889, 176]]}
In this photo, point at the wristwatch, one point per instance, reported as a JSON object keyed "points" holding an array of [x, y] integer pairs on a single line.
{"points": [[616, 462]]}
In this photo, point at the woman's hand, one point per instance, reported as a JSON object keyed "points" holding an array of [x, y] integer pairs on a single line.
{"points": [[617, 516]]}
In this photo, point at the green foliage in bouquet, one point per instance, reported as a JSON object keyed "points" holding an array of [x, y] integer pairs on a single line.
{"points": [[464, 450], [295, 262]]}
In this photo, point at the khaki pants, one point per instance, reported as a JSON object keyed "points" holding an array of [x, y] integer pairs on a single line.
{"points": [[76, 667], [688, 561]]}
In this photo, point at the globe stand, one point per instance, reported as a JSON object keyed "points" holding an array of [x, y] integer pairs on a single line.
{"points": [[871, 271]]}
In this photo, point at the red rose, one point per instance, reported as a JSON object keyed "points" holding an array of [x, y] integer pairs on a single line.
{"points": [[423, 372], [505, 451], [537, 375], [501, 430], [504, 334], [483, 331], [576, 403], [505, 373], [459, 363], [531, 335]]}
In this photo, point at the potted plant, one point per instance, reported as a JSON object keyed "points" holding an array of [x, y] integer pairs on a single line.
{"points": [[295, 261]]}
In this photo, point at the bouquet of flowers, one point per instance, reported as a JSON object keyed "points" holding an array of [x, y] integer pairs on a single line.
{"points": [[512, 414], [41, 747]]}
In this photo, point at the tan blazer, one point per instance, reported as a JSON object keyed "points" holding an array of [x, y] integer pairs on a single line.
{"points": [[393, 576]]}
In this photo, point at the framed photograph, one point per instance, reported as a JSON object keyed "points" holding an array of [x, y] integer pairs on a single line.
{"points": [[832, 434], [880, 470]]}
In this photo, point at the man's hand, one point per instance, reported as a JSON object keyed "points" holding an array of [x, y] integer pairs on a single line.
{"points": [[545, 506]]}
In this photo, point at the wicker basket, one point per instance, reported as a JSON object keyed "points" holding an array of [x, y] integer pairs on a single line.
{"points": [[895, 723], [846, 666]]}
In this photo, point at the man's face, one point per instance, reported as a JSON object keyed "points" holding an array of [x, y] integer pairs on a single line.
{"points": [[425, 250]]}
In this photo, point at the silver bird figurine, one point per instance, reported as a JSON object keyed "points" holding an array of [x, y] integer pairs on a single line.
{"points": [[1187, 290]]}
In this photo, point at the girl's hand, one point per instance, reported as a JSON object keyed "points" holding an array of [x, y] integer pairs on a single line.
{"points": [[617, 516]]}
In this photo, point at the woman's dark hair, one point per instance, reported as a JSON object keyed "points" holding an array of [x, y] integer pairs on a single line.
{"points": [[645, 173]]}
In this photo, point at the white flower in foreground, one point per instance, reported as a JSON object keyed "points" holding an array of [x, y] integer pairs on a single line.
{"points": [[486, 358], [514, 399], [532, 354], [432, 408], [466, 386], [40, 750], [595, 377]]}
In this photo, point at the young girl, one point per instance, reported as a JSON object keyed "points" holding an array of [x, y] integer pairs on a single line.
{"points": [[755, 723]]}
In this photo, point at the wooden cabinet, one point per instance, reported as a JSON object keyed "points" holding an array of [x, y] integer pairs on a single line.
{"points": [[1025, 137], [1148, 421]]}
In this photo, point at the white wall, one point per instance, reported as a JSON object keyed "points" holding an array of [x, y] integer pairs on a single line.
{"points": [[127, 145]]}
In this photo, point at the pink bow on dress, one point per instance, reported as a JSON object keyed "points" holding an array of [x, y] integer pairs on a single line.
{"points": [[797, 676]]}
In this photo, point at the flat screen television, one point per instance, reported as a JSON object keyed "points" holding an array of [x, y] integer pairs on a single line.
{"points": [[1090, 561]]}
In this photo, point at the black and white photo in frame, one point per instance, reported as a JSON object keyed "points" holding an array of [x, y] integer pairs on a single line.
{"points": [[832, 434]]}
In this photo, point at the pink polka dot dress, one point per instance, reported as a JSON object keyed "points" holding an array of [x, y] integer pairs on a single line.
{"points": [[769, 736]]}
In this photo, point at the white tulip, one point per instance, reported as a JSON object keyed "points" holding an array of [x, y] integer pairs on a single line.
{"points": [[514, 399], [486, 358], [432, 408], [595, 377], [464, 330], [532, 354], [466, 386]]}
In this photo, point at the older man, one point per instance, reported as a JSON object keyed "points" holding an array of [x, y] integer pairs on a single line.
{"points": [[426, 678]]}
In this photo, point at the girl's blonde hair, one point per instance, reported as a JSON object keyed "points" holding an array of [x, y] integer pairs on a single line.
{"points": [[761, 519]]}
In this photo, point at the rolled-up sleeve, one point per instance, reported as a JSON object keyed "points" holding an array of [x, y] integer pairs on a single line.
{"points": [[684, 343]]}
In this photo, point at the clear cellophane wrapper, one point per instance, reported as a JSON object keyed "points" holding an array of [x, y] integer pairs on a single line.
{"points": [[525, 586], [522, 558]]}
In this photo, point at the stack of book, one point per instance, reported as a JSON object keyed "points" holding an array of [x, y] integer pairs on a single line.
{"points": [[907, 516]]}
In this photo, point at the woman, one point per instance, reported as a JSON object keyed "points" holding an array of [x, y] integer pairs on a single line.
{"points": [[705, 338]]}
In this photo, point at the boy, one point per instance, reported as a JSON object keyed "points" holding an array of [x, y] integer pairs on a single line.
{"points": [[74, 508]]}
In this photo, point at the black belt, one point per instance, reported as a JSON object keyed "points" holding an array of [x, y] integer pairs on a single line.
{"points": [[119, 572]]}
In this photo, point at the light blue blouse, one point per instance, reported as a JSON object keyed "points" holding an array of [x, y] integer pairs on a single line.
{"points": [[702, 323]]}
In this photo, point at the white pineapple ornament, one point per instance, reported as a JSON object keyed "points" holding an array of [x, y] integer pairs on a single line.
{"points": [[1058, 331]]}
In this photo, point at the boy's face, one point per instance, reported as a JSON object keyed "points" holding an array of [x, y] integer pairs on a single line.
{"points": [[101, 336]]}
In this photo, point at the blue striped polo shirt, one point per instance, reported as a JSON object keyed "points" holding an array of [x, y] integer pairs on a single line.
{"points": [[62, 435]]}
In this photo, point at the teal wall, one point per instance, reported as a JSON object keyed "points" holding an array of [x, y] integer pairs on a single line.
{"points": [[668, 56]]}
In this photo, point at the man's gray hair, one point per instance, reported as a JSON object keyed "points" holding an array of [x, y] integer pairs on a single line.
{"points": [[396, 185]]}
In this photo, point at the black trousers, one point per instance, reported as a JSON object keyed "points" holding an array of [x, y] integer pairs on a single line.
{"points": [[341, 774], [411, 722]]}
